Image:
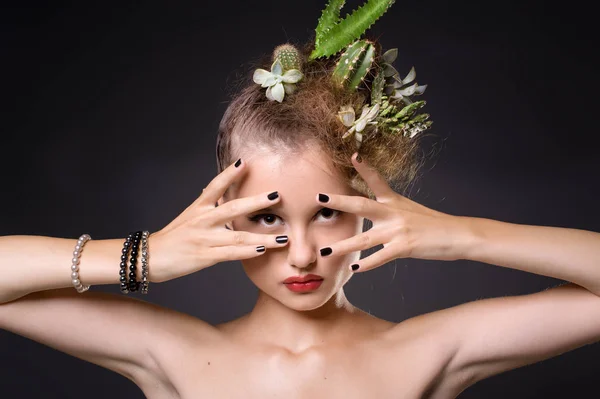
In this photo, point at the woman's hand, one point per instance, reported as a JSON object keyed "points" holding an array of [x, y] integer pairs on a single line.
{"points": [[198, 238], [405, 228]]}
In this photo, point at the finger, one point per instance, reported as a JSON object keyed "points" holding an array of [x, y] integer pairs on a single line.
{"points": [[374, 180], [217, 187], [359, 242], [379, 258], [242, 238], [356, 204], [233, 252], [243, 206]]}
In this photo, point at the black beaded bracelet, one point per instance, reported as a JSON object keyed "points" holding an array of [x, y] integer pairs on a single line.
{"points": [[134, 285], [123, 264]]}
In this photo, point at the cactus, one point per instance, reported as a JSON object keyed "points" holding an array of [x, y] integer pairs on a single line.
{"points": [[377, 86], [329, 17], [289, 56], [285, 72], [334, 34], [404, 120], [353, 66]]}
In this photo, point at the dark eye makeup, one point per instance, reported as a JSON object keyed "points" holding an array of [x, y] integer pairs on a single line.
{"points": [[270, 218]]}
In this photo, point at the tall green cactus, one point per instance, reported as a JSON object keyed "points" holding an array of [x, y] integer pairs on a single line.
{"points": [[354, 64], [329, 17], [333, 34]]}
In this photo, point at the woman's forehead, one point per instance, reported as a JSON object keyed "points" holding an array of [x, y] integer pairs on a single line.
{"points": [[292, 175]]}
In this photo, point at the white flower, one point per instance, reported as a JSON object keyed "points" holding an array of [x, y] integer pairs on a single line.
{"points": [[346, 115], [278, 84]]}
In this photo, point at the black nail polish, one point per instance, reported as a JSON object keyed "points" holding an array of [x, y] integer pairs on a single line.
{"points": [[281, 239], [260, 248], [238, 162], [355, 267], [326, 251], [358, 158], [273, 195], [323, 198]]}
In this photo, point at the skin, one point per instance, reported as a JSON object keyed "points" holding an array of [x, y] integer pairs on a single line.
{"points": [[314, 344], [290, 345], [308, 344], [297, 321]]}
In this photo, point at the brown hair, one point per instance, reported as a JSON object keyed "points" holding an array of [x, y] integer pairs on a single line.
{"points": [[309, 116]]}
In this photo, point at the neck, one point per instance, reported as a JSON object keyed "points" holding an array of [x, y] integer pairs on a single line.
{"points": [[274, 323]]}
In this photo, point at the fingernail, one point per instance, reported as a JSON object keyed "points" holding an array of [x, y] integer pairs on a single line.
{"points": [[273, 195], [281, 239], [355, 267], [325, 251], [260, 248], [238, 162], [358, 158], [323, 198]]}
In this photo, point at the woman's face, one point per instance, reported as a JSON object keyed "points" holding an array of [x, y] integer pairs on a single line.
{"points": [[308, 224]]}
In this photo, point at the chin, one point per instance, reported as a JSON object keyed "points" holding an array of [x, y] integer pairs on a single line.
{"points": [[304, 301]]}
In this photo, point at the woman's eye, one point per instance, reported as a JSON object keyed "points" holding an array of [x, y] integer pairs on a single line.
{"points": [[267, 219], [329, 213], [270, 220]]}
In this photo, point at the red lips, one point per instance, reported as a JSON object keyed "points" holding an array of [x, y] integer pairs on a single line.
{"points": [[302, 279]]}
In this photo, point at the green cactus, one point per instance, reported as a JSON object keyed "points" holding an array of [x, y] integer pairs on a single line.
{"points": [[354, 64], [289, 56], [405, 120], [333, 34], [377, 86], [329, 17]]}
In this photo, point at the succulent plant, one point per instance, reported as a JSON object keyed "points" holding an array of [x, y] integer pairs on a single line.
{"points": [[285, 71], [332, 34], [394, 87], [289, 56], [390, 109], [354, 64], [404, 120], [347, 116]]}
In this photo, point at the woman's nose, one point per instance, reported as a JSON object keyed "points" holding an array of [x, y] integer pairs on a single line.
{"points": [[302, 250]]}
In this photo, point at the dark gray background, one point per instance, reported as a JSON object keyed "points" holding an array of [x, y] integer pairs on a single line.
{"points": [[109, 119]]}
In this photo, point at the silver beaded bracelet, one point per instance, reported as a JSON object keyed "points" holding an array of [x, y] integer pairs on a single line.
{"points": [[145, 256], [75, 264]]}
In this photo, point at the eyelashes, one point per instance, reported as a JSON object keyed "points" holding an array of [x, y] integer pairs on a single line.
{"points": [[269, 219]]}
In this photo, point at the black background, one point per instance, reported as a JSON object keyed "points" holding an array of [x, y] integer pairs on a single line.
{"points": [[109, 117]]}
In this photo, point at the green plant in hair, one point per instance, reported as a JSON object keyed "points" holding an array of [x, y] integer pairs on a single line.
{"points": [[390, 109], [286, 70], [333, 34]]}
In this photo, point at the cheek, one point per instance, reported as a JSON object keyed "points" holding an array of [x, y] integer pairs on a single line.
{"points": [[263, 270]]}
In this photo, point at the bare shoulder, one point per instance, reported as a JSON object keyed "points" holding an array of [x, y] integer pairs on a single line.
{"points": [[427, 345]]}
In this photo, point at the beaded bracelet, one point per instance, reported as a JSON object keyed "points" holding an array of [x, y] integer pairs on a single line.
{"points": [[134, 285], [75, 264], [123, 264], [145, 256]]}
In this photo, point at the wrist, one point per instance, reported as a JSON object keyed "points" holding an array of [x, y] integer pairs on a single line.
{"points": [[468, 236], [155, 268]]}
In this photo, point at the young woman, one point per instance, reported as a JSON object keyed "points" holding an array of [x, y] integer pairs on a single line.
{"points": [[290, 202]]}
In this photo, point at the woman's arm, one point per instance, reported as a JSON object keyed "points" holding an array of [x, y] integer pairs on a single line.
{"points": [[36, 263], [563, 253], [494, 335]]}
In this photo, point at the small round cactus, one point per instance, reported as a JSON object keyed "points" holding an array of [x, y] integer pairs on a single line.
{"points": [[289, 56]]}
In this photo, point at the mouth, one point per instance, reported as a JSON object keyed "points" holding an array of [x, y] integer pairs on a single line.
{"points": [[304, 286], [302, 279]]}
